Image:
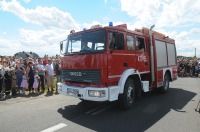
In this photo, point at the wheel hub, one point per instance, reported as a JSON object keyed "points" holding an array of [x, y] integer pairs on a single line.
{"points": [[130, 94]]}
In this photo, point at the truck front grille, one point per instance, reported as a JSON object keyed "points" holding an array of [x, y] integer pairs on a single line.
{"points": [[87, 76]]}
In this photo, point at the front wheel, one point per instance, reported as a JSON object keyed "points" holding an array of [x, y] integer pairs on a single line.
{"points": [[127, 99], [165, 86]]}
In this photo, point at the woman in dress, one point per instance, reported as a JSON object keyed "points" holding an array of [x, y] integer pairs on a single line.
{"points": [[36, 82], [24, 83]]}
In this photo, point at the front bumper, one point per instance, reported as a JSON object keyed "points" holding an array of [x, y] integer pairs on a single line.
{"points": [[111, 93]]}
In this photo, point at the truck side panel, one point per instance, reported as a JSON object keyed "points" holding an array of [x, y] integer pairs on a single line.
{"points": [[161, 54], [161, 57], [172, 60], [171, 54], [166, 60]]}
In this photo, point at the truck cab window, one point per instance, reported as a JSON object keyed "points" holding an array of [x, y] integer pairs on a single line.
{"points": [[130, 42], [140, 46], [86, 42], [116, 41]]}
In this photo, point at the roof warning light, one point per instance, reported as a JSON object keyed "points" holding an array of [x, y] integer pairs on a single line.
{"points": [[111, 24]]}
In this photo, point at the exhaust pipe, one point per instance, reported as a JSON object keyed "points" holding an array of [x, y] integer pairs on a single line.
{"points": [[152, 54]]}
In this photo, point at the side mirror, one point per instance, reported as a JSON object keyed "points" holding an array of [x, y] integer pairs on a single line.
{"points": [[61, 45]]}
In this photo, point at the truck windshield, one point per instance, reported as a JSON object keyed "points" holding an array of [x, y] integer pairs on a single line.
{"points": [[88, 42]]}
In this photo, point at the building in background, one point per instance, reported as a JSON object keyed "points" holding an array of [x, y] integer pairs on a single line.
{"points": [[25, 55]]}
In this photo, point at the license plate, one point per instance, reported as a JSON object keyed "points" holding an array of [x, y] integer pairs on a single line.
{"points": [[72, 92]]}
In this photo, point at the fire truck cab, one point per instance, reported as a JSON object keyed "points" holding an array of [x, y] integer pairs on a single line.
{"points": [[114, 63]]}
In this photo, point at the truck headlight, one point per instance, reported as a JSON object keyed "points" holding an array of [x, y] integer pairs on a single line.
{"points": [[97, 93]]}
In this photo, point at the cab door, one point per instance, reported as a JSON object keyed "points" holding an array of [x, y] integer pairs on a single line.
{"points": [[117, 61], [142, 62]]}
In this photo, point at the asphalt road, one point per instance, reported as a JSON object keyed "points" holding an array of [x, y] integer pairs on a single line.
{"points": [[154, 112]]}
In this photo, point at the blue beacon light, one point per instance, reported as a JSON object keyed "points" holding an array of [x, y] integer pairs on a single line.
{"points": [[84, 29], [110, 23]]}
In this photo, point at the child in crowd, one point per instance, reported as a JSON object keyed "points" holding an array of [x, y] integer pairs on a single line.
{"points": [[24, 83], [36, 81]]}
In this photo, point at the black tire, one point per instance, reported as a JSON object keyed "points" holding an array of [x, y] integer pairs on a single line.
{"points": [[127, 99], [165, 86]]}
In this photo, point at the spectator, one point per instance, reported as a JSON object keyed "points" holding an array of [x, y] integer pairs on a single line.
{"points": [[45, 60], [41, 72], [24, 83], [19, 74], [14, 82], [50, 74], [36, 81], [2, 84], [21, 62], [1, 80], [30, 60], [57, 70], [30, 76], [8, 81], [25, 63]]}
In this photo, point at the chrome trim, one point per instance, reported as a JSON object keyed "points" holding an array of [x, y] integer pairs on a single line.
{"points": [[163, 67], [114, 76], [144, 72]]}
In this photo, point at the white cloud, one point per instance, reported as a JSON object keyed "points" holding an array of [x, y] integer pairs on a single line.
{"points": [[3, 33], [44, 42], [55, 25], [48, 17], [105, 1], [180, 12], [40, 42], [175, 14], [27, 1], [162, 13], [9, 47], [184, 44]]}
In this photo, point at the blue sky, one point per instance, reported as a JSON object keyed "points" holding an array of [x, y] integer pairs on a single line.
{"points": [[39, 25]]}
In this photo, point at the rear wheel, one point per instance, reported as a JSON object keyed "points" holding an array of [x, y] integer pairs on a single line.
{"points": [[127, 99], [165, 86]]}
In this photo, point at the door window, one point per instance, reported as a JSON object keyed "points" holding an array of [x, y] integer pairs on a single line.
{"points": [[130, 42], [140, 45], [116, 41]]}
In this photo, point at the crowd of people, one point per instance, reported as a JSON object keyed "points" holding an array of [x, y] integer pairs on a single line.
{"points": [[188, 67], [20, 76]]}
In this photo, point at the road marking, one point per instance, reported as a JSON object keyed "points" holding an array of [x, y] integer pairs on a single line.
{"points": [[54, 128]]}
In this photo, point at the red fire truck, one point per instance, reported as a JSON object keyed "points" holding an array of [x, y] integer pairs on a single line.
{"points": [[114, 63]]}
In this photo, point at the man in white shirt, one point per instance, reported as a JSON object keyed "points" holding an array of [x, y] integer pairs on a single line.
{"points": [[50, 74]]}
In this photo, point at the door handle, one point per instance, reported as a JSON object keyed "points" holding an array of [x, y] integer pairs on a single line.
{"points": [[125, 64]]}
